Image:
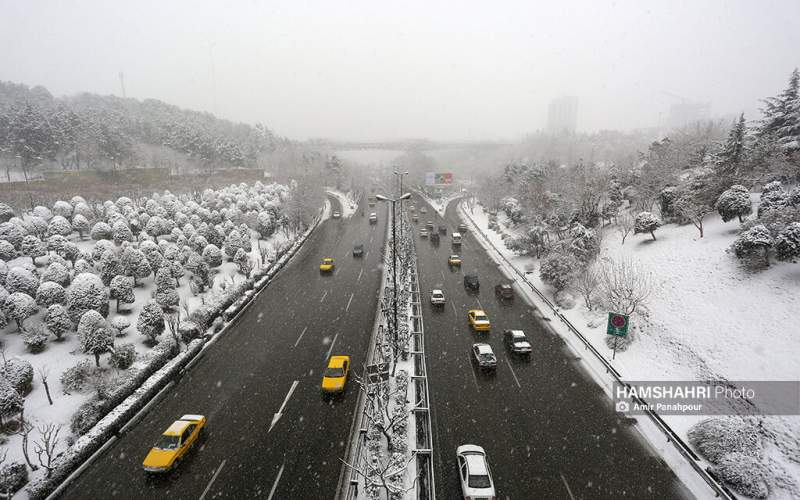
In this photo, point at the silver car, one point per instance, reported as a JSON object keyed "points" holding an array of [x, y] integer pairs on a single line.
{"points": [[474, 472]]}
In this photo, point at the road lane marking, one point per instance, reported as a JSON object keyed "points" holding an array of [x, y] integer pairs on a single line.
{"points": [[214, 478], [278, 415], [455, 313], [442, 272], [475, 379], [301, 336], [323, 296], [349, 301], [275, 485], [330, 349], [512, 373], [479, 303], [359, 275], [571, 496]]}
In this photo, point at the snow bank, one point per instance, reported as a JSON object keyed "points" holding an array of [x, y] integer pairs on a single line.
{"points": [[347, 200]]}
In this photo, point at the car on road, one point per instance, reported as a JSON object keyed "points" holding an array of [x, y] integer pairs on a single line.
{"points": [[471, 282], [504, 291], [327, 265], [484, 356], [443, 230], [335, 376], [371, 201], [478, 320], [434, 237], [437, 297], [423, 233], [517, 342], [456, 239], [454, 260], [414, 218], [423, 210], [429, 225], [475, 473], [337, 215], [462, 228], [358, 250], [373, 218], [174, 443]]}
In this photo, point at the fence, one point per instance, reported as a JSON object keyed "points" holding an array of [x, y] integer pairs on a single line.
{"points": [[720, 490]]}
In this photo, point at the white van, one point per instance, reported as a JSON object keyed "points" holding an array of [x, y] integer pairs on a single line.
{"points": [[456, 238]]}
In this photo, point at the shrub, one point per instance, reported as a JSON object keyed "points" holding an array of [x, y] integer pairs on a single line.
{"points": [[13, 476], [59, 226], [85, 417], [123, 356], [57, 320], [57, 273], [11, 403], [716, 437], [120, 324], [22, 280], [787, 243], [753, 243], [19, 373], [7, 251], [558, 270], [744, 473], [86, 293], [76, 378], [35, 338], [102, 231], [151, 320], [19, 307], [50, 293], [646, 222]]}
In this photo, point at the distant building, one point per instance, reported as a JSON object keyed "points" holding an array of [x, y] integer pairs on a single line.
{"points": [[686, 112], [562, 115]]}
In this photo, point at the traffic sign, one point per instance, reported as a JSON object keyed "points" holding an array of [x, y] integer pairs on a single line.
{"points": [[617, 324]]}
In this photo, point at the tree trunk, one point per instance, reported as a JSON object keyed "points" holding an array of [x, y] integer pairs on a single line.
{"points": [[97, 359], [47, 390], [653, 234], [700, 227], [117, 304]]}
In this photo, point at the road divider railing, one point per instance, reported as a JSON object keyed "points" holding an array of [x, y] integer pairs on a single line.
{"points": [[77, 458], [719, 489]]}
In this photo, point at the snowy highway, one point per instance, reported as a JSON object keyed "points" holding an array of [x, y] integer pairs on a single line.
{"points": [[547, 428], [270, 434]]}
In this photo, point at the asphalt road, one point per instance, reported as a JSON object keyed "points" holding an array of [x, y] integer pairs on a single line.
{"points": [[272, 358], [548, 429]]}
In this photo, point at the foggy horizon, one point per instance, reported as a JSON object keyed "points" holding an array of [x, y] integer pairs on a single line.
{"points": [[366, 72]]}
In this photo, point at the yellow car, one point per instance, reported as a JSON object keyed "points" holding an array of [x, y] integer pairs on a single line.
{"points": [[454, 260], [174, 443], [327, 265], [478, 320], [335, 376]]}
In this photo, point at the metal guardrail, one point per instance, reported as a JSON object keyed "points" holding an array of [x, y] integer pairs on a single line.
{"points": [[720, 490]]}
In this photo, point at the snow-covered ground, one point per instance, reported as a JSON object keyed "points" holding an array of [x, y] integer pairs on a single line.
{"points": [[439, 204], [707, 318], [348, 201]]}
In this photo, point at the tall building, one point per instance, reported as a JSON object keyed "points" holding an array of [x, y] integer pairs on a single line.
{"points": [[562, 115]]}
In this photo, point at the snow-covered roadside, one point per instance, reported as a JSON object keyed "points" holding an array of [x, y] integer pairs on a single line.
{"points": [[700, 286], [439, 204], [347, 200]]}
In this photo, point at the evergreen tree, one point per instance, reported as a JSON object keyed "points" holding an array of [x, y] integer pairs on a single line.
{"points": [[782, 112], [733, 156]]}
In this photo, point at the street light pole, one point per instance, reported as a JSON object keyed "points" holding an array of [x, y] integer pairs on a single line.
{"points": [[394, 257], [400, 176]]}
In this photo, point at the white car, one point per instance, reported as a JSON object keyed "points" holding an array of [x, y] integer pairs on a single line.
{"points": [[337, 215], [474, 472], [437, 297], [373, 218], [484, 356], [423, 233]]}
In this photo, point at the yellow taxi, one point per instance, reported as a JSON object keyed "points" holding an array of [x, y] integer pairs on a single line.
{"points": [[335, 376], [454, 260], [174, 443], [478, 320], [327, 265]]}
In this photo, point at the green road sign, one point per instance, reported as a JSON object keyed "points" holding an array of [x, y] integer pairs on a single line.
{"points": [[617, 324]]}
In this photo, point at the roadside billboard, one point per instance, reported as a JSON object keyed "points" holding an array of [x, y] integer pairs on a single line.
{"points": [[438, 178]]}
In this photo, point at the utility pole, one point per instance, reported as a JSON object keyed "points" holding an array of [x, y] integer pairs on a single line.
{"points": [[122, 85]]}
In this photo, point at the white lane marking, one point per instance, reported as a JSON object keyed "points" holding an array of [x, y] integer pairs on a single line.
{"points": [[213, 478], [323, 296], [479, 303], [366, 254], [359, 275], [455, 313], [442, 273], [278, 415], [275, 485], [474, 378], [349, 301], [571, 496], [512, 373], [301, 336], [330, 349]]}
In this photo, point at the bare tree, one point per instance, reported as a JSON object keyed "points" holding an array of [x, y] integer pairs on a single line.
{"points": [[384, 473], [693, 211], [24, 430], [44, 372], [625, 223], [586, 283], [46, 446], [625, 285], [173, 321]]}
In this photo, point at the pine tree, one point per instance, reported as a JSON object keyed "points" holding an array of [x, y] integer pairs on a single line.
{"points": [[151, 320], [121, 290], [780, 112], [98, 341], [733, 156], [57, 320]]}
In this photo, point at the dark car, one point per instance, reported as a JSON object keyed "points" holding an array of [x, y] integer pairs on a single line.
{"points": [[434, 238], [504, 291], [443, 229], [517, 342], [429, 225], [358, 250], [462, 228], [471, 282]]}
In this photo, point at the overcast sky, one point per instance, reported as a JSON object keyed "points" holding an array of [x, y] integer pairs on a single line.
{"points": [[443, 70]]}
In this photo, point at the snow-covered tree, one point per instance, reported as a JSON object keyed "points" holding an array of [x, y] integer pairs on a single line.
{"points": [[212, 255], [38, 226], [57, 273], [135, 264], [646, 222], [693, 211], [782, 115], [98, 341], [122, 232], [109, 266], [156, 226], [787, 243], [754, 242], [243, 261], [266, 224], [121, 290], [80, 224], [101, 231], [123, 356], [19, 307], [7, 251], [733, 155], [33, 247], [59, 225], [734, 202], [151, 320], [62, 209], [86, 293], [12, 233], [89, 321], [82, 266], [624, 285], [43, 212], [22, 280], [35, 338], [584, 244], [120, 324], [50, 293], [100, 247], [6, 212], [166, 295], [11, 403], [57, 320], [773, 197], [233, 243], [558, 269]]}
